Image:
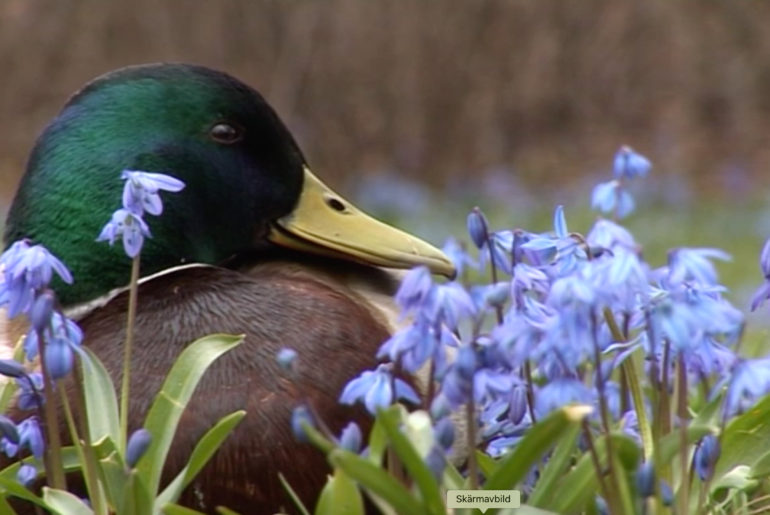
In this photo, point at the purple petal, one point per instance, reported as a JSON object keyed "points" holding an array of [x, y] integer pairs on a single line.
{"points": [[152, 204], [58, 358]]}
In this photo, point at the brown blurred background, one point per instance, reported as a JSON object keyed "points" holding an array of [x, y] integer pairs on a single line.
{"points": [[439, 92]]}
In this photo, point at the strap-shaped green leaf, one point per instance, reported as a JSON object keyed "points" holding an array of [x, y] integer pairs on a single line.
{"points": [[177, 389], [201, 454]]}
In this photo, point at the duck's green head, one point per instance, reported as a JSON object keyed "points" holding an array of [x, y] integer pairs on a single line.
{"points": [[248, 186]]}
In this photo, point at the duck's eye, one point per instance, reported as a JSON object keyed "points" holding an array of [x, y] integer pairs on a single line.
{"points": [[226, 133]]}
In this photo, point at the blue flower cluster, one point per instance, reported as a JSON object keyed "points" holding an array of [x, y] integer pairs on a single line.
{"points": [[140, 195], [562, 312]]}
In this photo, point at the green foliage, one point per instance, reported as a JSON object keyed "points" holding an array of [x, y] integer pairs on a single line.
{"points": [[116, 487]]}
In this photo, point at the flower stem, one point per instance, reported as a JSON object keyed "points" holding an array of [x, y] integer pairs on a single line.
{"points": [[634, 386], [473, 468], [684, 488], [85, 453], [54, 469], [126, 379], [589, 441]]}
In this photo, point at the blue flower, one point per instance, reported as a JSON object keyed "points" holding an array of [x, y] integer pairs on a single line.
{"points": [[26, 270], [609, 235], [415, 287], [500, 446], [130, 226], [629, 164], [478, 227], [140, 193], [495, 295], [498, 248], [750, 380], [694, 264], [561, 392], [413, 345], [31, 391], [440, 407], [449, 304], [286, 358], [58, 358], [42, 310], [12, 368], [706, 456], [444, 432], [612, 197], [137, 445], [488, 383], [763, 293], [300, 416], [61, 329], [30, 437], [375, 389], [458, 256], [26, 474], [645, 479], [517, 403], [8, 430], [350, 438]]}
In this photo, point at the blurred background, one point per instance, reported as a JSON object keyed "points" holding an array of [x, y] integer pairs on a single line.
{"points": [[420, 110]]}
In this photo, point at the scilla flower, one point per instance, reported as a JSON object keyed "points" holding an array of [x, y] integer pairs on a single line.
{"points": [[140, 195]]}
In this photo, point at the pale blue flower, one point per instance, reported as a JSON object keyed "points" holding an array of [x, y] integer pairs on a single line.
{"points": [[629, 164], [130, 226], [350, 438], [286, 358], [611, 197], [26, 474], [140, 192], [458, 256], [375, 389], [26, 270], [137, 445], [694, 264], [706, 456], [478, 227]]}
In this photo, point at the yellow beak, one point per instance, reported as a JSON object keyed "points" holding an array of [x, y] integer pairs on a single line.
{"points": [[325, 223]]}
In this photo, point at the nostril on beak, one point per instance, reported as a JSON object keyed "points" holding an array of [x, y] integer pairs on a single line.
{"points": [[335, 204]]}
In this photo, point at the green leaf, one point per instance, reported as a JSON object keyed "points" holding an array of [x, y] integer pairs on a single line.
{"points": [[225, 511], [738, 478], [743, 436], [412, 461], [11, 486], [166, 410], [65, 503], [101, 401], [546, 486], [139, 499], [201, 454], [378, 442], [486, 463], [581, 484], [175, 509], [318, 439], [376, 480], [538, 440], [761, 468], [340, 496], [114, 478], [293, 495], [452, 479]]}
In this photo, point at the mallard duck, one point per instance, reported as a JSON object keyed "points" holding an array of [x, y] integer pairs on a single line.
{"points": [[254, 244]]}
